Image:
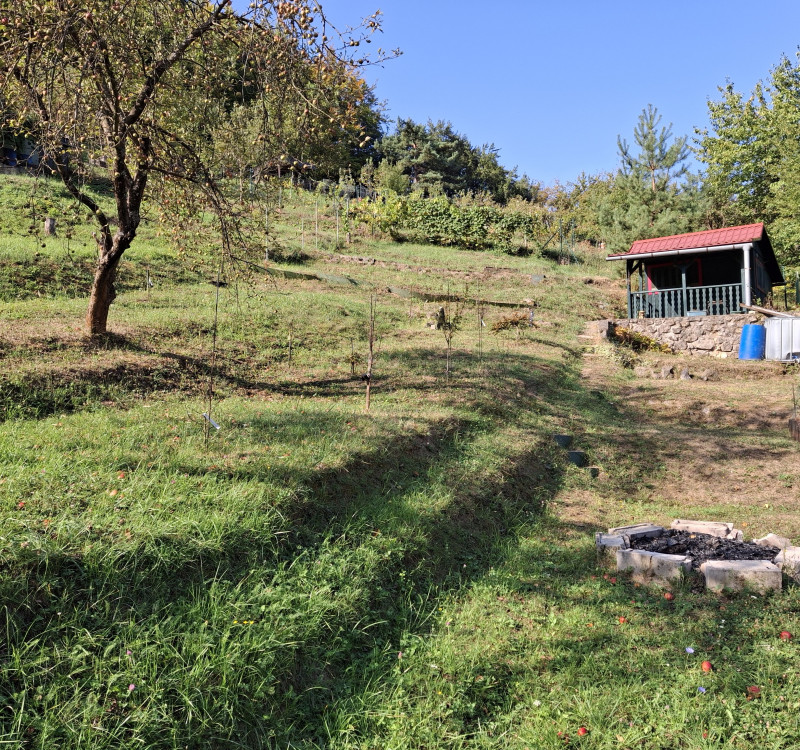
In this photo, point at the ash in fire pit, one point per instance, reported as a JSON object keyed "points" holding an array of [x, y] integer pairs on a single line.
{"points": [[703, 547], [653, 554]]}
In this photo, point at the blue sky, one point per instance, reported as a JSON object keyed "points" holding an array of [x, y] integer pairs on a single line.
{"points": [[553, 84]]}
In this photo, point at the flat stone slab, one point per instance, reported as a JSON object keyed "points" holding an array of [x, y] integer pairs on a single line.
{"points": [[788, 560], [653, 567], [758, 576], [577, 457], [610, 540], [608, 544], [563, 441], [638, 530], [773, 540], [712, 528]]}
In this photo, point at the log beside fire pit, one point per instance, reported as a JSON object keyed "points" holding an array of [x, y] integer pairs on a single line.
{"points": [[654, 554]]}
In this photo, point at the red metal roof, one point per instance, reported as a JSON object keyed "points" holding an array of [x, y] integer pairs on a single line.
{"points": [[709, 238]]}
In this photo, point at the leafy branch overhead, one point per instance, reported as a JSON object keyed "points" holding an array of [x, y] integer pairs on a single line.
{"points": [[138, 90], [752, 155]]}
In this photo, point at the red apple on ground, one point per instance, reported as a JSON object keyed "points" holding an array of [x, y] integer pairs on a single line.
{"points": [[582, 731], [786, 635], [706, 666]]}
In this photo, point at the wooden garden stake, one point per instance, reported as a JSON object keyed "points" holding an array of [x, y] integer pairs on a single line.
{"points": [[371, 356]]}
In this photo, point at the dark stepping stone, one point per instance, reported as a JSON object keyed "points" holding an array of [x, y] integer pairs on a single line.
{"points": [[563, 441], [577, 457]]}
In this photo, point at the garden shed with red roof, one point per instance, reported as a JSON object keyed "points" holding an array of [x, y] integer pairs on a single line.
{"points": [[701, 273]]}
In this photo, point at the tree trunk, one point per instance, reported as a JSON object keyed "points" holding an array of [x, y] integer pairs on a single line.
{"points": [[101, 297]]}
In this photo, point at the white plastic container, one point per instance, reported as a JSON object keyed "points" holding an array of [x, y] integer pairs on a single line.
{"points": [[783, 339]]}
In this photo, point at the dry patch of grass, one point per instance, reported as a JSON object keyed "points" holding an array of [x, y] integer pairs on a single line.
{"points": [[714, 450]]}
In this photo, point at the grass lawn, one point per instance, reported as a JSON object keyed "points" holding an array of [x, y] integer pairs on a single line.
{"points": [[422, 575]]}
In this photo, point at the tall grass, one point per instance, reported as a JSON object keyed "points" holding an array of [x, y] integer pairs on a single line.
{"points": [[313, 576]]}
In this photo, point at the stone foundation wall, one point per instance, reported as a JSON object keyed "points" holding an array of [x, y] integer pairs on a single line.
{"points": [[715, 335]]}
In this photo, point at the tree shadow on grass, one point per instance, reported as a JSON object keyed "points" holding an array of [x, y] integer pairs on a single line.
{"points": [[370, 509], [72, 389], [373, 545]]}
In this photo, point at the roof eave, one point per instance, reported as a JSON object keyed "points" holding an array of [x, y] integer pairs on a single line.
{"points": [[684, 251]]}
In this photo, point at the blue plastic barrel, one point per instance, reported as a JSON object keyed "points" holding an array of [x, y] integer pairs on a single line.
{"points": [[753, 342]]}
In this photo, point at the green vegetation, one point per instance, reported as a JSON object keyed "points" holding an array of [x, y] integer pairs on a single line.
{"points": [[254, 514], [652, 195], [437, 160], [441, 221], [315, 576], [753, 157], [222, 94]]}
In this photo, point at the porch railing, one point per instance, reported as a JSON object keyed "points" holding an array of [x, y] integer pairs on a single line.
{"points": [[722, 299]]}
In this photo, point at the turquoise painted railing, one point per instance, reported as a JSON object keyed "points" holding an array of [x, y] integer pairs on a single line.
{"points": [[722, 299]]}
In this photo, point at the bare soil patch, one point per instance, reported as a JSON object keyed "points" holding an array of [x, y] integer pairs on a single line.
{"points": [[717, 449]]}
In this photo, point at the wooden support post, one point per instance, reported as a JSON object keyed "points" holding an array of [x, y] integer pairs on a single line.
{"points": [[684, 300], [628, 286]]}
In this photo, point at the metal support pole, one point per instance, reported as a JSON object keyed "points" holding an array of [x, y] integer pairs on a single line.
{"points": [[746, 274]]}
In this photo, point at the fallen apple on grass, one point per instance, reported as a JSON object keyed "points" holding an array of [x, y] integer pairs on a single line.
{"points": [[706, 666]]}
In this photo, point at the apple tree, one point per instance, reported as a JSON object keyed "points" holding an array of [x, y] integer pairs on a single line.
{"points": [[136, 90]]}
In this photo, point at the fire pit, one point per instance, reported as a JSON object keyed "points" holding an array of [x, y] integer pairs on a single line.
{"points": [[703, 547], [654, 554]]}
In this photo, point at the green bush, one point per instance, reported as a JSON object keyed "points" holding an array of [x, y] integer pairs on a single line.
{"points": [[439, 221]]}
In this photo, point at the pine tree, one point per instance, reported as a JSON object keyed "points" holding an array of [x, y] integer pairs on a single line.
{"points": [[653, 193], [661, 161]]}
